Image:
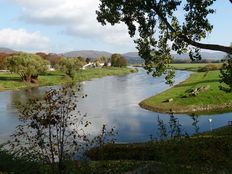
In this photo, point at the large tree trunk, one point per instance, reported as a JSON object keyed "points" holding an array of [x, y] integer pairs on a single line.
{"points": [[31, 79], [34, 79]]}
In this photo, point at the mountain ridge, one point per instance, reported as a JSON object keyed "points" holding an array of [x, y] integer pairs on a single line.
{"points": [[130, 56], [6, 50]]}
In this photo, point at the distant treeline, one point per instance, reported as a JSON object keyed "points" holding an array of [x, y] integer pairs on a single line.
{"points": [[199, 61]]}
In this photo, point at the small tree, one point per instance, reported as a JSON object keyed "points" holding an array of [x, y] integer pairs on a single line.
{"points": [[102, 59], [52, 130], [28, 66], [70, 66], [226, 74], [117, 60]]}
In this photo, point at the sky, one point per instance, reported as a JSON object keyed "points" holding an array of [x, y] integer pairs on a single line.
{"points": [[66, 25]]}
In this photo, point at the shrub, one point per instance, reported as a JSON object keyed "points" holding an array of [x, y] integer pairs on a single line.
{"points": [[209, 67]]}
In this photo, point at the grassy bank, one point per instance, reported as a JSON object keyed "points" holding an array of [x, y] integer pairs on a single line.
{"points": [[204, 153], [193, 66], [11, 81], [182, 99]]}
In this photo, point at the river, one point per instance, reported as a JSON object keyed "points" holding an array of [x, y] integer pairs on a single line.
{"points": [[113, 101]]}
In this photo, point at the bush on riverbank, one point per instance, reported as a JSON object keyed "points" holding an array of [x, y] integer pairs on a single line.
{"points": [[210, 67]]}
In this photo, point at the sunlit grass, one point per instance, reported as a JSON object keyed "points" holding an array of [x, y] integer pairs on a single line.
{"points": [[192, 66], [213, 98]]}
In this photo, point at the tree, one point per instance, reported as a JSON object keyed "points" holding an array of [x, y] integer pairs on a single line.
{"points": [[28, 66], [117, 60], [70, 65], [3, 57], [226, 74], [152, 18], [52, 131], [87, 60], [51, 57], [102, 59]]}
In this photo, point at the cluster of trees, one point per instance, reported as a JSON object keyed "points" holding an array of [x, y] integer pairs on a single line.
{"points": [[51, 57], [30, 66], [117, 60]]}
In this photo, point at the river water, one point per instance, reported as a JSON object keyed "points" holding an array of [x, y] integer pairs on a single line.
{"points": [[114, 101]]}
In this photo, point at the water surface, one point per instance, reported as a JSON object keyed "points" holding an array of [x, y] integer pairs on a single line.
{"points": [[114, 101]]}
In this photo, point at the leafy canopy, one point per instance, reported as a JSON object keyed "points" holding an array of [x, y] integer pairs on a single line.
{"points": [[70, 65], [159, 31], [28, 66], [226, 74], [117, 60]]}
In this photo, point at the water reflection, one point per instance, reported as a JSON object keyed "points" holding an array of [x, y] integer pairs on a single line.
{"points": [[23, 96], [114, 101]]}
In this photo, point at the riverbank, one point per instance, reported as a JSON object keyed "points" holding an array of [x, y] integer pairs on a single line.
{"points": [[200, 93], [12, 81], [202, 153], [196, 66]]}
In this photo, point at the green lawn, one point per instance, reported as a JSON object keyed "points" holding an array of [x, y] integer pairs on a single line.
{"points": [[211, 100], [12, 81], [192, 66]]}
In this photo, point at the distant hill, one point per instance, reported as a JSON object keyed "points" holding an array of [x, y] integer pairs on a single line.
{"points": [[205, 55], [133, 58], [6, 50], [131, 54], [87, 54]]}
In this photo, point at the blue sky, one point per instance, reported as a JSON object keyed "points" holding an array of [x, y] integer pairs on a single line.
{"points": [[67, 25]]}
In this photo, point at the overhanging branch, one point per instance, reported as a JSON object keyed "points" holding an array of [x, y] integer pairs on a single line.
{"points": [[214, 47]]}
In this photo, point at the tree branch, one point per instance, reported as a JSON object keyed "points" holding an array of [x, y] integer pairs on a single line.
{"points": [[214, 47]]}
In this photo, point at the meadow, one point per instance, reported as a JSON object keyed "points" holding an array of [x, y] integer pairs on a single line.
{"points": [[200, 93]]}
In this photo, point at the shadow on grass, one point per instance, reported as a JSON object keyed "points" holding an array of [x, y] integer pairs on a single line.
{"points": [[17, 79], [52, 74]]}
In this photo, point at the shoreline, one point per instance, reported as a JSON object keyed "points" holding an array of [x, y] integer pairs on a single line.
{"points": [[178, 101], [202, 110], [13, 82]]}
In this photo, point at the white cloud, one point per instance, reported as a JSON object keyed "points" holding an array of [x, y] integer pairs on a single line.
{"points": [[76, 17], [21, 39]]}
